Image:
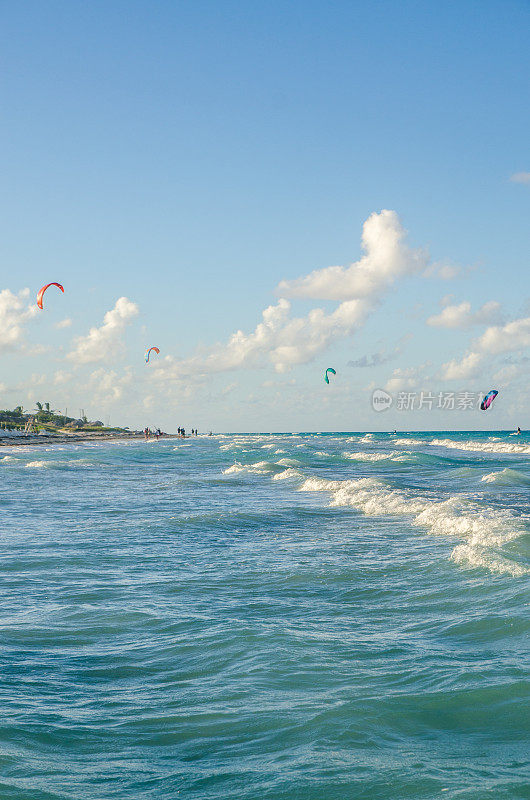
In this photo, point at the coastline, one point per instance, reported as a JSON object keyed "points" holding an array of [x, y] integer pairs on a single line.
{"points": [[67, 438]]}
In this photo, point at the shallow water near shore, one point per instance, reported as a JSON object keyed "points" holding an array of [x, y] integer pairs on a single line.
{"points": [[279, 616]]}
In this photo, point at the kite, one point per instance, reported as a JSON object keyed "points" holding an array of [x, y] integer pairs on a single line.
{"points": [[148, 353], [329, 369], [41, 292], [488, 400]]}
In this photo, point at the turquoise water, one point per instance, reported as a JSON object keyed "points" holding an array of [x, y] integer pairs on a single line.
{"points": [[288, 617]]}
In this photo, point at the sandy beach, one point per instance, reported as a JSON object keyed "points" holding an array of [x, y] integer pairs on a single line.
{"points": [[62, 438]]}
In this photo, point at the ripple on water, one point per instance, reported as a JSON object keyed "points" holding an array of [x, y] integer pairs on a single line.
{"points": [[298, 624]]}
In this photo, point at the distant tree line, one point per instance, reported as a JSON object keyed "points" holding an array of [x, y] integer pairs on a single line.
{"points": [[44, 417]]}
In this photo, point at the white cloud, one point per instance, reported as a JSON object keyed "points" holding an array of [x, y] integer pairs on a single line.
{"points": [[387, 257], [279, 339], [64, 323], [468, 367], [401, 379], [511, 337], [461, 316], [514, 335], [37, 379], [61, 377], [101, 343], [285, 341], [13, 316], [507, 374], [405, 378], [520, 177], [107, 386], [443, 271]]}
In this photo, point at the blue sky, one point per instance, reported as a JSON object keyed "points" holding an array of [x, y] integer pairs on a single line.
{"points": [[192, 156]]}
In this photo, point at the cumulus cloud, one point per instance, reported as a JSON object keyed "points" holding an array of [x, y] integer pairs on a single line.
{"points": [[108, 386], [101, 343], [467, 367], [405, 378], [61, 377], [283, 340], [461, 316], [387, 257], [64, 323], [278, 339], [514, 335], [14, 313], [497, 339], [520, 177]]}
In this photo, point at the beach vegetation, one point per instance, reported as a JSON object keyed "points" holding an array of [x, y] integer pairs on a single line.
{"points": [[45, 419]]}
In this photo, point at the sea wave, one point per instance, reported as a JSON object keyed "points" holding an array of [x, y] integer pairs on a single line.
{"points": [[395, 455], [258, 467], [483, 447], [507, 477], [289, 473], [481, 527]]}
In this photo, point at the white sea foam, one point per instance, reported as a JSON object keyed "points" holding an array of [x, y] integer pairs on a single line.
{"points": [[259, 467], [406, 441], [286, 474], [469, 556], [481, 531], [483, 447], [367, 456], [40, 464], [507, 477], [480, 527], [396, 455]]}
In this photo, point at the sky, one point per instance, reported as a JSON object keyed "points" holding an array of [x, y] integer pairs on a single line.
{"points": [[264, 190]]}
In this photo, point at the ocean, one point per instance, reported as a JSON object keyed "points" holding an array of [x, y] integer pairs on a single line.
{"points": [[276, 616]]}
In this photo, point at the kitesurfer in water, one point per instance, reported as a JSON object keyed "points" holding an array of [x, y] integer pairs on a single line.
{"points": [[518, 431]]}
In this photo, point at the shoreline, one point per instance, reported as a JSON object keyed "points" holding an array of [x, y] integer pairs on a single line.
{"points": [[66, 438]]}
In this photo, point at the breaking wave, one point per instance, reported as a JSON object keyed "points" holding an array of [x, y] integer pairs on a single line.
{"points": [[483, 447]]}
